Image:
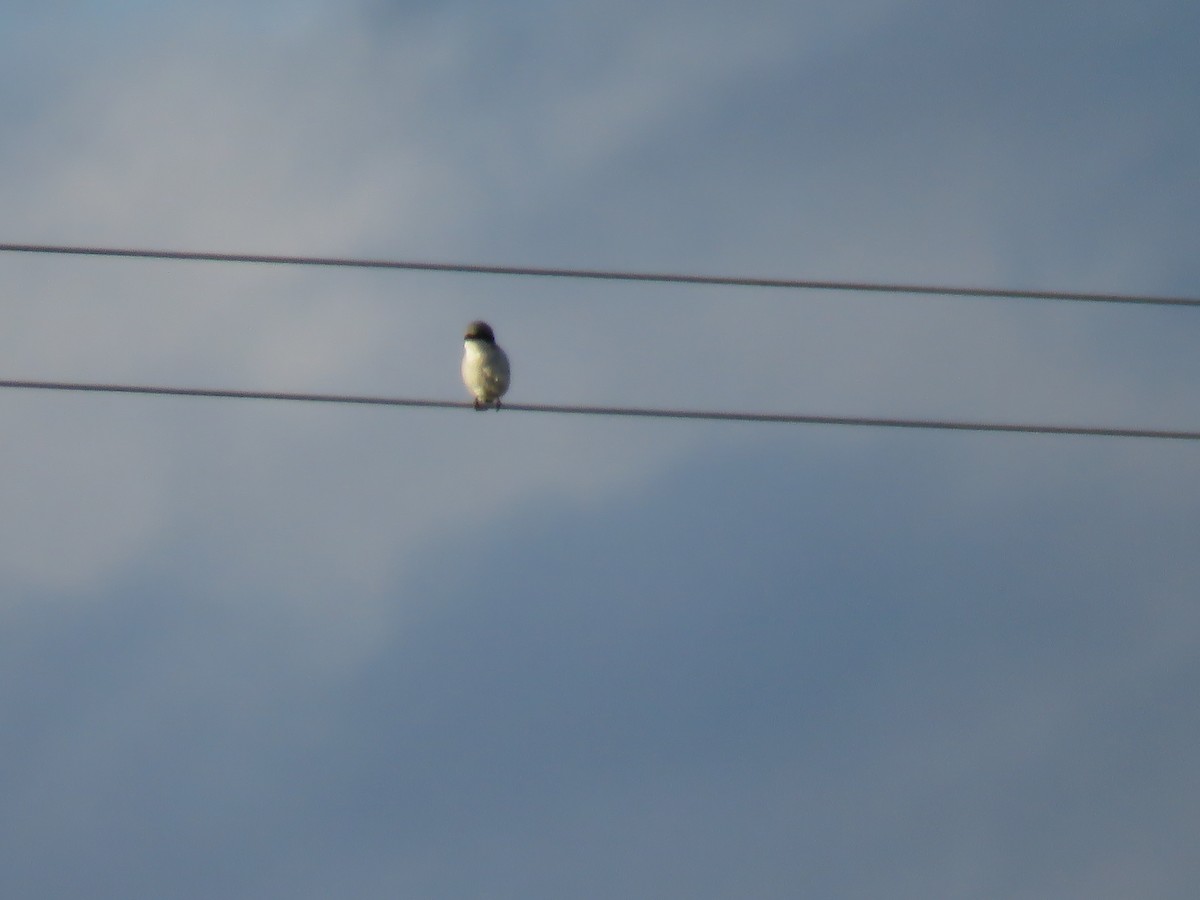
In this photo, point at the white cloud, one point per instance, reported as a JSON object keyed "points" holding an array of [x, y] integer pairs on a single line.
{"points": [[284, 551], [397, 138]]}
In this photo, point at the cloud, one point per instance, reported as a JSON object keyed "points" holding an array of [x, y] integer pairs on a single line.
{"points": [[290, 648], [751, 675], [387, 136]]}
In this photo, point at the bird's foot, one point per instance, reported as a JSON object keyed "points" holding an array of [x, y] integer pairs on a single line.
{"points": [[479, 407]]}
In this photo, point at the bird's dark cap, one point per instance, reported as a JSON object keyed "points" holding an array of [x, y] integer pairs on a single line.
{"points": [[480, 331]]}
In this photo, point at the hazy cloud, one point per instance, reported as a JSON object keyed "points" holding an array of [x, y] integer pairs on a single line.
{"points": [[258, 649]]}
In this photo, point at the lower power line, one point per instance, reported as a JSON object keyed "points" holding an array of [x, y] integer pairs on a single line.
{"points": [[635, 412]]}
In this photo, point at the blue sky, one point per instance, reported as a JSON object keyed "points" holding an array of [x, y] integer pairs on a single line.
{"points": [[258, 650]]}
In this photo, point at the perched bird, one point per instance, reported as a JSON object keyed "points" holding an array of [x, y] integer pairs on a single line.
{"points": [[485, 366]]}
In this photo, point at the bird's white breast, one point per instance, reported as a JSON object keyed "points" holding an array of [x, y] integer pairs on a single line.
{"points": [[485, 370]]}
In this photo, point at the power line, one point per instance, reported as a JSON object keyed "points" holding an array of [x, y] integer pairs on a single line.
{"points": [[606, 275], [638, 412]]}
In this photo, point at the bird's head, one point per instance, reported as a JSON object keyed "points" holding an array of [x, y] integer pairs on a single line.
{"points": [[480, 331]]}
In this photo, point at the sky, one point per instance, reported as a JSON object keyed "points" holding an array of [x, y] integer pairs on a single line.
{"points": [[254, 649]]}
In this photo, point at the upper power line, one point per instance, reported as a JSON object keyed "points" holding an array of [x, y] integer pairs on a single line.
{"points": [[607, 275], [638, 412]]}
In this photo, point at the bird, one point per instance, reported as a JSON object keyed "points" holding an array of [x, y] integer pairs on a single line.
{"points": [[485, 369]]}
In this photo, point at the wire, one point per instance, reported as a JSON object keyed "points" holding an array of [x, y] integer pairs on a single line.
{"points": [[638, 412], [606, 275]]}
